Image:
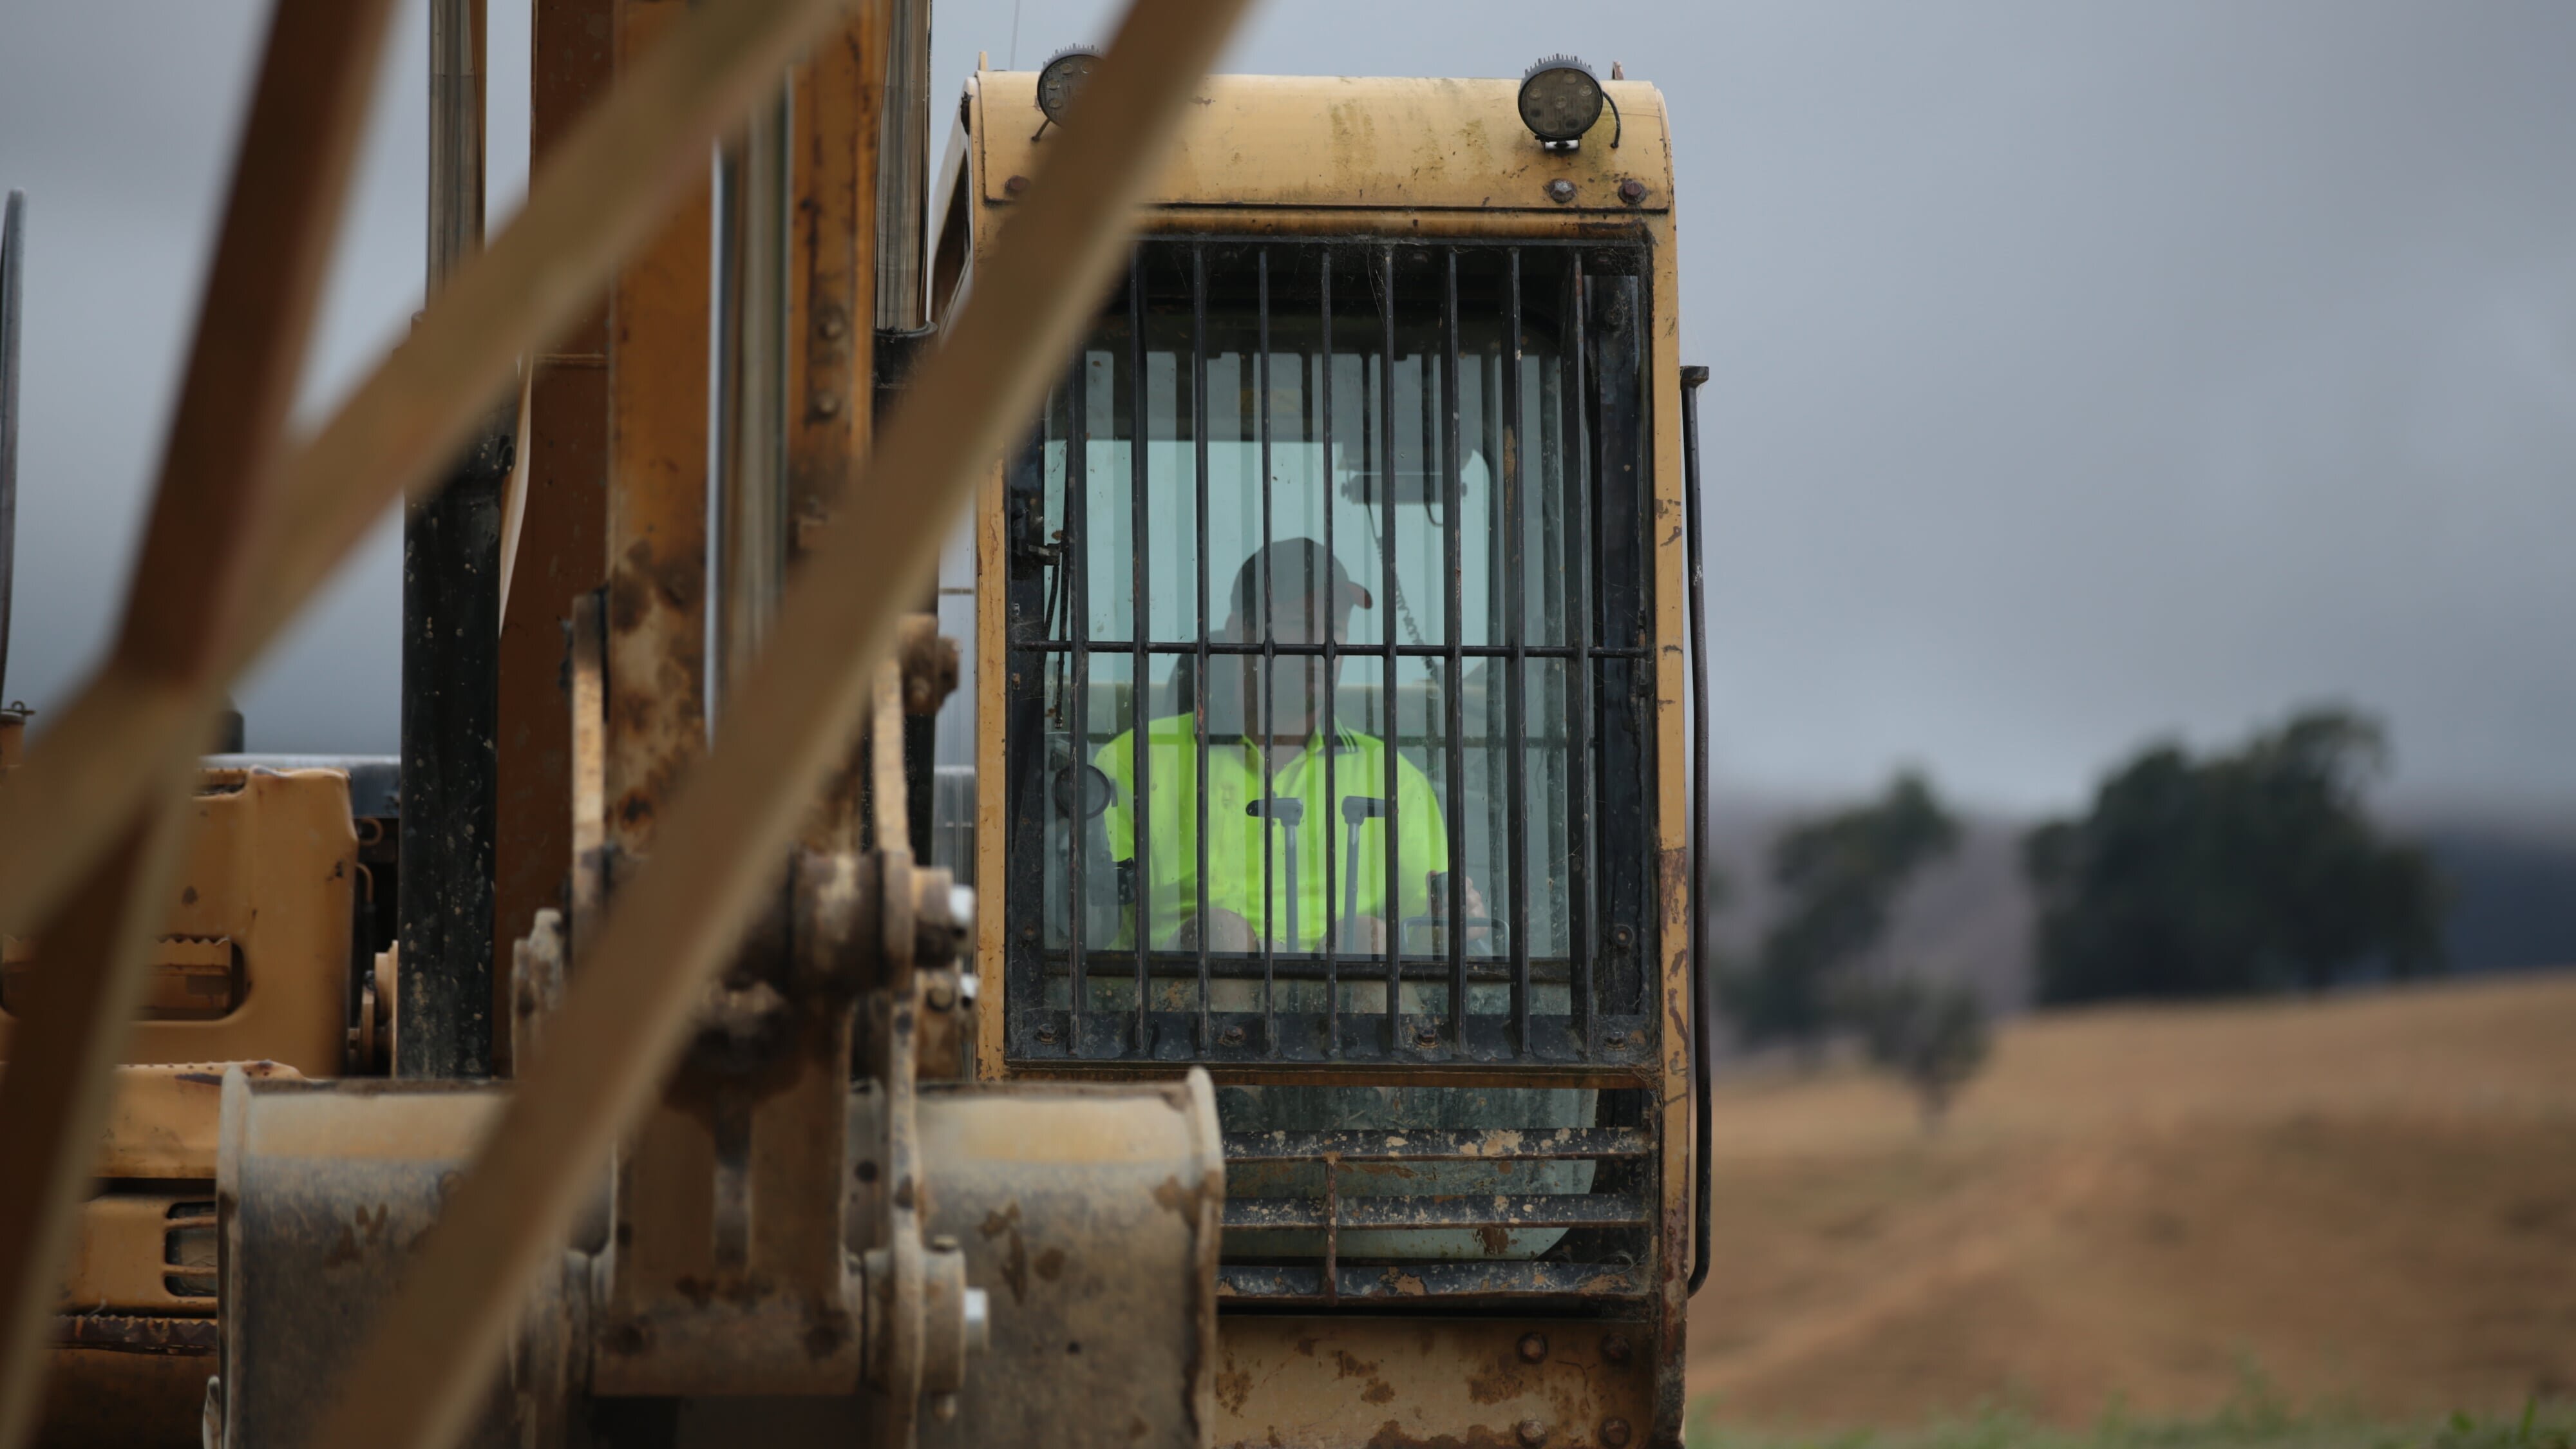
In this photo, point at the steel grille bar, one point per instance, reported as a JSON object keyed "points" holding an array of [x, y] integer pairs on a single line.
{"points": [[1200, 682], [1411, 1282], [1334, 926], [1391, 913], [1516, 673], [1077, 559], [1452, 507], [1246, 965], [1269, 664], [1503, 1144], [1452, 1210], [1579, 769], [1140, 691], [1404, 651]]}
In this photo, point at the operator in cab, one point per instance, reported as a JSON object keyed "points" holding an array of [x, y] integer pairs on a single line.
{"points": [[1285, 794], [1272, 814]]}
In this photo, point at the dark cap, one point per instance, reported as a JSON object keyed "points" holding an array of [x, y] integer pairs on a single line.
{"points": [[1296, 570]]}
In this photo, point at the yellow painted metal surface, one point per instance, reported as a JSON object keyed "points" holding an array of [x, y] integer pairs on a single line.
{"points": [[1672, 821], [1420, 160], [100, 1398], [253, 960], [1321, 1383], [162, 1124], [148, 1252], [1357, 142], [251, 968]]}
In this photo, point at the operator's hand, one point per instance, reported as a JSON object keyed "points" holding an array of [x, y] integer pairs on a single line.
{"points": [[1226, 931], [1475, 910], [1361, 935]]}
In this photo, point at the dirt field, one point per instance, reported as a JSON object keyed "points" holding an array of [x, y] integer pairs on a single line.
{"points": [[2369, 1201]]}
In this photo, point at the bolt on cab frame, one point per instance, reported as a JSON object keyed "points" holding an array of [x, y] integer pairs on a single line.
{"points": [[1363, 509]]}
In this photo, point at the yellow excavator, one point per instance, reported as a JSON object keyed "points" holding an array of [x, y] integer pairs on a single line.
{"points": [[1236, 986]]}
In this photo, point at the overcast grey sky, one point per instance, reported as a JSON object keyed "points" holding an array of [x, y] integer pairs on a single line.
{"points": [[2082, 373]]}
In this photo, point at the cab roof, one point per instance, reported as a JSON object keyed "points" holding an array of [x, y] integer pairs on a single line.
{"points": [[1352, 141]]}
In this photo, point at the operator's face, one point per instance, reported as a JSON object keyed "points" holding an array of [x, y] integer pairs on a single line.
{"points": [[1297, 683], [1307, 620]]}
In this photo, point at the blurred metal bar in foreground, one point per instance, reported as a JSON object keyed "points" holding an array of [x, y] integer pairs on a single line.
{"points": [[627, 1012], [902, 182], [605, 191], [253, 323]]}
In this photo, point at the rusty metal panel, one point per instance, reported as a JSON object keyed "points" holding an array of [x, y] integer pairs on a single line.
{"points": [[325, 1189], [1347, 141], [1090, 1215], [839, 95], [657, 493], [560, 546], [560, 559], [1391, 1383], [270, 871], [163, 1121], [1671, 742]]}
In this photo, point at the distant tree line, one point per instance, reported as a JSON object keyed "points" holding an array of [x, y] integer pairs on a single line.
{"points": [[2256, 869]]}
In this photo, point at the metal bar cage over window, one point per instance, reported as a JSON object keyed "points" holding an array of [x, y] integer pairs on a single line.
{"points": [[1328, 642]]}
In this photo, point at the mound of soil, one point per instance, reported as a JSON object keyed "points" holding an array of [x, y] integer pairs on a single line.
{"points": [[2368, 1201]]}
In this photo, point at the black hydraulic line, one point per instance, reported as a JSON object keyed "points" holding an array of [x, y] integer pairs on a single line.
{"points": [[451, 639], [1703, 1004], [450, 770]]}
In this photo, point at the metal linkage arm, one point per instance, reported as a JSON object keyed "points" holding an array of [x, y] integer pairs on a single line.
{"points": [[627, 1013]]}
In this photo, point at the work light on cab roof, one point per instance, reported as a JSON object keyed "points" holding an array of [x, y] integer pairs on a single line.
{"points": [[1062, 76], [1560, 100]]}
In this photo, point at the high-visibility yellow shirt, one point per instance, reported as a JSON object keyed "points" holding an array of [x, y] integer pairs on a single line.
{"points": [[1237, 842]]}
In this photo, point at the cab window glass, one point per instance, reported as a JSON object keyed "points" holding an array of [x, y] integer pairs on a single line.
{"points": [[1311, 654]]}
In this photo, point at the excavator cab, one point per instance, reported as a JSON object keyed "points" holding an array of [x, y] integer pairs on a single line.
{"points": [[1235, 989], [1328, 734]]}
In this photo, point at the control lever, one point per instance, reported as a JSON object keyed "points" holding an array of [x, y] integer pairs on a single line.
{"points": [[1290, 812], [1356, 811]]}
